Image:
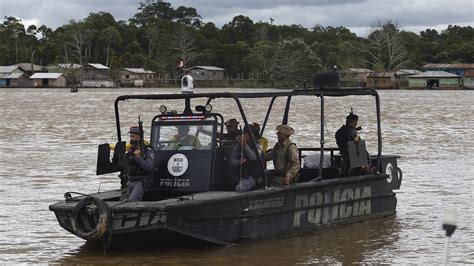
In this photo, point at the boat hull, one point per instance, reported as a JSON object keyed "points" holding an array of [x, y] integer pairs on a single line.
{"points": [[228, 217]]}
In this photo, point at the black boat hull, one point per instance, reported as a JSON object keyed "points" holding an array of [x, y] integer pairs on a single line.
{"points": [[228, 217]]}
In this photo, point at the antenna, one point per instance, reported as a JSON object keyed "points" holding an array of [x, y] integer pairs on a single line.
{"points": [[449, 225]]}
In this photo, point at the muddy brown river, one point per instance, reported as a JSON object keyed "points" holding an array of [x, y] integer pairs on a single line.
{"points": [[49, 141]]}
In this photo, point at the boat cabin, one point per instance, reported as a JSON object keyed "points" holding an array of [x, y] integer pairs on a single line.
{"points": [[201, 162]]}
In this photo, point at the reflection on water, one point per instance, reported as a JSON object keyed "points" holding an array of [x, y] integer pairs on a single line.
{"points": [[49, 146], [344, 244]]}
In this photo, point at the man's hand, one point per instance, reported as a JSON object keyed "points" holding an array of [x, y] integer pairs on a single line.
{"points": [[286, 180], [243, 160], [357, 138], [137, 152]]}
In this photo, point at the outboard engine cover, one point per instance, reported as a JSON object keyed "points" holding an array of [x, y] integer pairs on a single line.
{"points": [[326, 80], [187, 84]]}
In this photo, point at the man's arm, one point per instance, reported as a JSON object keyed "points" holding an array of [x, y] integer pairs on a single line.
{"points": [[235, 156], [146, 163], [250, 154], [267, 156], [294, 164], [197, 143]]}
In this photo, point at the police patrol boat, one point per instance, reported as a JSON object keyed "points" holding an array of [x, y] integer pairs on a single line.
{"points": [[192, 194]]}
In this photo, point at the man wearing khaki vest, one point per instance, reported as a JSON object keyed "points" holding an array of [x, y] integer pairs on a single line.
{"points": [[285, 157]]}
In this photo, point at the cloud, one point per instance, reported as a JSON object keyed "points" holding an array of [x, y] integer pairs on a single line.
{"points": [[352, 14], [54, 13]]}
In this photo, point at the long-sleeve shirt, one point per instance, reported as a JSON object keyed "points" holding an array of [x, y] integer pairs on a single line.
{"points": [[251, 166], [285, 159], [143, 165], [343, 135]]}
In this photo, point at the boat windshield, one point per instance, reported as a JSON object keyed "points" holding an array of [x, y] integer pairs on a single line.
{"points": [[182, 137]]}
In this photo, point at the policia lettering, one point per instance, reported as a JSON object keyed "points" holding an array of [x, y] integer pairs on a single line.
{"points": [[349, 205]]}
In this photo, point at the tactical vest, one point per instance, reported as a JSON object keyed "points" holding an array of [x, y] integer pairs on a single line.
{"points": [[287, 156]]}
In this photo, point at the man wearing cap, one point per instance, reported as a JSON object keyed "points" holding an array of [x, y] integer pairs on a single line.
{"points": [[347, 132], [140, 165], [285, 157], [232, 128]]}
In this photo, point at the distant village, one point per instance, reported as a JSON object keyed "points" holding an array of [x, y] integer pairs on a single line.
{"points": [[95, 75]]}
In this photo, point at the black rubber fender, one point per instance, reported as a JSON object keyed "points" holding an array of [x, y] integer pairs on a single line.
{"points": [[400, 175], [103, 224]]}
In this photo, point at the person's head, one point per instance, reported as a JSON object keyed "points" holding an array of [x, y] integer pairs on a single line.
{"points": [[284, 132], [134, 134], [351, 120], [250, 130], [183, 130], [256, 128], [231, 125], [246, 137]]}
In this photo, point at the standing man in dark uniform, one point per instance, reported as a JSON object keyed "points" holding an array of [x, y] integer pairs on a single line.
{"points": [[347, 132], [140, 166]]}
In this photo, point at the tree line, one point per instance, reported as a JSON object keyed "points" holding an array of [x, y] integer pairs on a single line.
{"points": [[158, 35]]}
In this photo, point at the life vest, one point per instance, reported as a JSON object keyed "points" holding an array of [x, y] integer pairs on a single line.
{"points": [[128, 145]]}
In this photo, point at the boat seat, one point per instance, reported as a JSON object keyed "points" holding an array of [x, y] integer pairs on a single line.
{"points": [[313, 160], [310, 169]]}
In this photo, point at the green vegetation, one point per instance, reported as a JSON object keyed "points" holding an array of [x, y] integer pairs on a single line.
{"points": [[159, 35]]}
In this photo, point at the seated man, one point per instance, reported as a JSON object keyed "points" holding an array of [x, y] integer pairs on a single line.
{"points": [[233, 132], [244, 159], [182, 138], [285, 157], [140, 166], [261, 140]]}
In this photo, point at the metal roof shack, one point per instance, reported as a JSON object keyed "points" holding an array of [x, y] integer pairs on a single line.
{"points": [[14, 80], [469, 79], [435, 80], [96, 75], [435, 74], [458, 69], [206, 72], [10, 69], [356, 77], [402, 75], [29, 68], [49, 80], [382, 80], [136, 77]]}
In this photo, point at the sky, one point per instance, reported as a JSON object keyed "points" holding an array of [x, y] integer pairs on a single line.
{"points": [[357, 15]]}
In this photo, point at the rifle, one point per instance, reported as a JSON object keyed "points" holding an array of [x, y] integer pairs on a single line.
{"points": [[141, 143]]}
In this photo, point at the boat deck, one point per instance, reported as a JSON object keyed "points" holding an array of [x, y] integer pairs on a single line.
{"points": [[205, 197]]}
